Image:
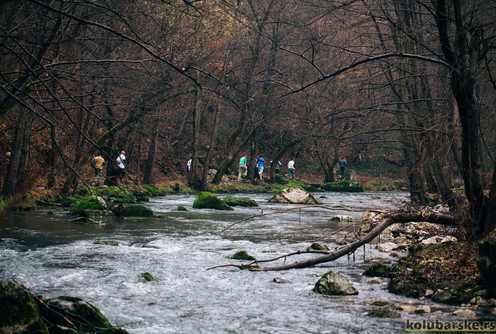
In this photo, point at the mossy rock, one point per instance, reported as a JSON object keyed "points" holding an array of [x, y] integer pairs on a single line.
{"points": [[242, 255], [206, 200], [333, 283], [154, 190], [85, 316], [141, 197], [294, 195], [240, 201], [343, 186], [92, 203], [384, 312], [147, 277], [133, 211], [318, 246], [181, 208], [377, 269], [118, 195], [18, 310]]}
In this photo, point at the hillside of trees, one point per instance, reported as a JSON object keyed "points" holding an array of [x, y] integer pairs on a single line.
{"points": [[407, 83]]}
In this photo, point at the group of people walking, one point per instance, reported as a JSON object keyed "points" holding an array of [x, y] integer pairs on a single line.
{"points": [[98, 162], [260, 165]]}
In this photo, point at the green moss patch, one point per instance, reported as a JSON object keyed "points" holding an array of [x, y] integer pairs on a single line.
{"points": [[206, 200], [133, 211], [80, 205], [242, 255], [240, 201]]}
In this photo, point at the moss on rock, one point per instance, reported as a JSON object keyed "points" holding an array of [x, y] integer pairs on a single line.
{"points": [[80, 205], [18, 310], [206, 200], [147, 277], [242, 255], [318, 246], [240, 201], [377, 269], [333, 283], [133, 211]]}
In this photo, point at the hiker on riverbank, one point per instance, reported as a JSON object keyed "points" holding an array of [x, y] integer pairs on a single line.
{"points": [[242, 170], [260, 166], [291, 169], [121, 163], [97, 164], [342, 165]]}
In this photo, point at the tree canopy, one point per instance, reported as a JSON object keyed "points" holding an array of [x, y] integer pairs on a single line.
{"points": [[398, 80]]}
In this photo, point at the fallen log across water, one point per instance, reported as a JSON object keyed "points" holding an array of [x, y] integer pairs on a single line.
{"points": [[386, 220]]}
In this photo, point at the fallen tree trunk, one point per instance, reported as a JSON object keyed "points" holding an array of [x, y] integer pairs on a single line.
{"points": [[385, 222]]}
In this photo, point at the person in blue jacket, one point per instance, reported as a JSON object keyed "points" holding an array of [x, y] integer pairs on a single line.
{"points": [[260, 166]]}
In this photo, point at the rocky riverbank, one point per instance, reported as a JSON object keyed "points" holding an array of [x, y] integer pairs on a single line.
{"points": [[438, 263]]}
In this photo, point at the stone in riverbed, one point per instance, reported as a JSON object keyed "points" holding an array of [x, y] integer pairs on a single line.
{"points": [[294, 195], [206, 200], [333, 283]]}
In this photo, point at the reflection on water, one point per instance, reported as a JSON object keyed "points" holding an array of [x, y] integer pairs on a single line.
{"points": [[103, 264]]}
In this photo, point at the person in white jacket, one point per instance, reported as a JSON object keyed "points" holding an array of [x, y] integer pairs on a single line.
{"points": [[291, 169], [121, 162]]}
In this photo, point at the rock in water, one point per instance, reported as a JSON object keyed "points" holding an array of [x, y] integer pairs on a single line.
{"points": [[294, 195], [333, 283], [18, 310]]}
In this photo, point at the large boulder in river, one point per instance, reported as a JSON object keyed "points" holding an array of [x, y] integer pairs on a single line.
{"points": [[333, 283], [18, 310], [21, 312], [133, 211], [206, 200], [294, 195]]}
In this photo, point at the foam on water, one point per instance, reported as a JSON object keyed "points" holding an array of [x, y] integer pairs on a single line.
{"points": [[176, 250]]}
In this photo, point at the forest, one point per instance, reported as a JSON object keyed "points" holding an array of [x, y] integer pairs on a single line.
{"points": [[405, 82]]}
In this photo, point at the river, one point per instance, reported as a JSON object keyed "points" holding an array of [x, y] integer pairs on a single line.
{"points": [[103, 264]]}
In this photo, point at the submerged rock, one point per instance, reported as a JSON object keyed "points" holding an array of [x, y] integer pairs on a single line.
{"points": [[318, 246], [147, 277], [133, 211], [242, 255], [294, 195], [333, 283], [240, 201], [384, 312]]}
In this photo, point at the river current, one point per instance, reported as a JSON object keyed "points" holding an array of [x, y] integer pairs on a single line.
{"points": [[103, 263]]}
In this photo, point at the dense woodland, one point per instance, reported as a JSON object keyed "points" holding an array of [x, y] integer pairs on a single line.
{"points": [[404, 81]]}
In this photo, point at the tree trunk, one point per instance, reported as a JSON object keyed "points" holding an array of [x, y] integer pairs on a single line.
{"points": [[194, 179], [19, 158], [211, 150], [150, 160]]}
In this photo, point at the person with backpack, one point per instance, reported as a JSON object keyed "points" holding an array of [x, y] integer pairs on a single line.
{"points": [[97, 164], [260, 167], [242, 170]]}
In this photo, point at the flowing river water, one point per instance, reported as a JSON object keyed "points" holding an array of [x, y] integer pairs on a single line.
{"points": [[103, 265]]}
